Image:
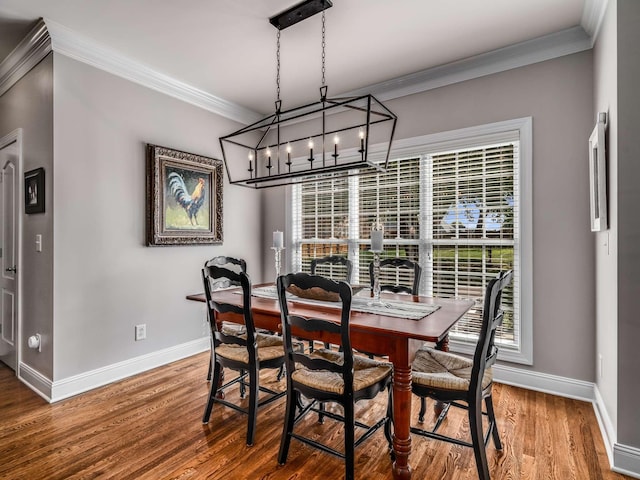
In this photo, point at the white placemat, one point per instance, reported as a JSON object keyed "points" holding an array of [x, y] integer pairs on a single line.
{"points": [[391, 308]]}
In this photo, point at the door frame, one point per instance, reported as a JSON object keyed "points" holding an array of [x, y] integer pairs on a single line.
{"points": [[16, 136]]}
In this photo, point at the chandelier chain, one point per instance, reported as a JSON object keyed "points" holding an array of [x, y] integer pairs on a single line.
{"points": [[323, 46], [278, 66]]}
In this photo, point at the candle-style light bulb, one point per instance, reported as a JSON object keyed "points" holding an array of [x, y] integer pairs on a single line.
{"points": [[269, 158], [289, 156], [310, 150], [336, 139]]}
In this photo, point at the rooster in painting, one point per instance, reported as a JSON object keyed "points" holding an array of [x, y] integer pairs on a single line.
{"points": [[190, 203]]}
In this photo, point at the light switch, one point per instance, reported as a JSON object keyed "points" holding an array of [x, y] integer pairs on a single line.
{"points": [[38, 243]]}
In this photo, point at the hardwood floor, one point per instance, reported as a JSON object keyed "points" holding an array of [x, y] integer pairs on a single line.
{"points": [[149, 427]]}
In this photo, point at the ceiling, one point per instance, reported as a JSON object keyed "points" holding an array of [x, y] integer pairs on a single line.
{"points": [[227, 48]]}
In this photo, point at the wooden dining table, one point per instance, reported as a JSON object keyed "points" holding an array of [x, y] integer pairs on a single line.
{"points": [[397, 338]]}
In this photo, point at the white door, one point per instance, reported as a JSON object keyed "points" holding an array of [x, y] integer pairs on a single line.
{"points": [[9, 208]]}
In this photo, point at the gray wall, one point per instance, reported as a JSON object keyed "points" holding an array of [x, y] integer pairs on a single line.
{"points": [[628, 224], [617, 75], [106, 280], [29, 105], [606, 247], [558, 94]]}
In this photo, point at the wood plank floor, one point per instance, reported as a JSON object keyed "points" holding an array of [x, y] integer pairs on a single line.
{"points": [[149, 427]]}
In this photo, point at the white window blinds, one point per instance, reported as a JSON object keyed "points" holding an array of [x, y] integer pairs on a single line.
{"points": [[455, 211], [472, 236], [323, 218]]}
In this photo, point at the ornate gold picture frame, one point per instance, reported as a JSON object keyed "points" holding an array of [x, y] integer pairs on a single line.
{"points": [[184, 198]]}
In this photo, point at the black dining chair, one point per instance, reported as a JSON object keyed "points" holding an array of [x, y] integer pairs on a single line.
{"points": [[326, 375], [398, 275], [336, 267], [247, 351], [234, 264], [449, 378]]}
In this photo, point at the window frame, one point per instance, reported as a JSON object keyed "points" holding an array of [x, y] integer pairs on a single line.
{"points": [[516, 129]]}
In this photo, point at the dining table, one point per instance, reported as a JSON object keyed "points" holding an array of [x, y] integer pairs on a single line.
{"points": [[395, 326]]}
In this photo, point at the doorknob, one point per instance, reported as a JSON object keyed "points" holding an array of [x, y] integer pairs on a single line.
{"points": [[10, 269]]}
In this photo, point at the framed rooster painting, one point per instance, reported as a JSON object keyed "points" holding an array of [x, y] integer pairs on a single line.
{"points": [[184, 198]]}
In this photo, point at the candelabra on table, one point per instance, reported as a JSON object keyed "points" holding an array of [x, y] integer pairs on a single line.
{"points": [[278, 246], [377, 235], [277, 253], [376, 278]]}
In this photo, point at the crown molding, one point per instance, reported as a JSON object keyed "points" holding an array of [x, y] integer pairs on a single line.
{"points": [[592, 17], [565, 42], [71, 44], [49, 35], [30, 51]]}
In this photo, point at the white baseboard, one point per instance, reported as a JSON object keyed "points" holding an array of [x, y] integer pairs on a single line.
{"points": [[102, 376], [544, 382], [71, 386], [35, 381], [622, 458], [626, 460], [607, 430]]}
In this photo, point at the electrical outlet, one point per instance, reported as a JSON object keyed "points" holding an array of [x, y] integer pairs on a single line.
{"points": [[141, 331]]}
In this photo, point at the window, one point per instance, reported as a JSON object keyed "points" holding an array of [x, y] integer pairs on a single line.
{"points": [[458, 203]]}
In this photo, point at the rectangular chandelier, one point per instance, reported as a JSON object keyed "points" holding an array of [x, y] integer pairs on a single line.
{"points": [[326, 138], [335, 136]]}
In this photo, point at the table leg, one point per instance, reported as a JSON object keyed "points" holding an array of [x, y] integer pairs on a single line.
{"points": [[443, 344], [401, 421]]}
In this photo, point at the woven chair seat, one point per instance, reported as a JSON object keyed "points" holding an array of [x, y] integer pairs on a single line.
{"points": [[367, 372], [269, 347], [443, 370]]}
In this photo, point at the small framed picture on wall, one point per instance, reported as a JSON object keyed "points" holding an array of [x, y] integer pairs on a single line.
{"points": [[598, 175], [34, 191]]}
